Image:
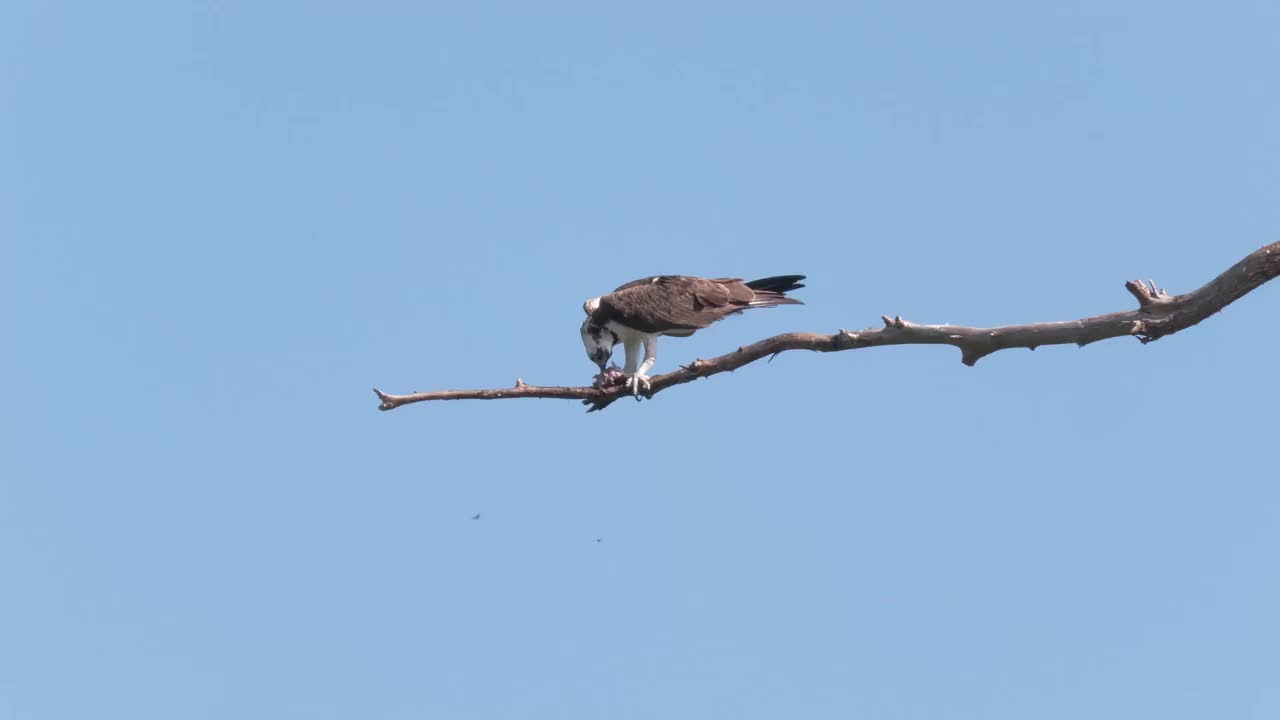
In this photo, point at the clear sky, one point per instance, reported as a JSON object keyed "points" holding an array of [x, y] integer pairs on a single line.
{"points": [[221, 223]]}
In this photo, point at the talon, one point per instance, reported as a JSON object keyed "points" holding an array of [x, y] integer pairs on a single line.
{"points": [[635, 381]]}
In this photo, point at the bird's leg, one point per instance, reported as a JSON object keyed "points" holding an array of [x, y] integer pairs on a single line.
{"points": [[631, 346], [639, 375]]}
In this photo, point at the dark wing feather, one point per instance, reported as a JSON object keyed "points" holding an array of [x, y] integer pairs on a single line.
{"points": [[642, 281], [678, 304]]}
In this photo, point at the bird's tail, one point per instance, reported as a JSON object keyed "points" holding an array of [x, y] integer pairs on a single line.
{"points": [[770, 291]]}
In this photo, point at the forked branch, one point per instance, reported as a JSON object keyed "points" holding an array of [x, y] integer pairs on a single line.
{"points": [[1158, 314]]}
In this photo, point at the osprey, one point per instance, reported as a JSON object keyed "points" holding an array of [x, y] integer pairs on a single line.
{"points": [[637, 313]]}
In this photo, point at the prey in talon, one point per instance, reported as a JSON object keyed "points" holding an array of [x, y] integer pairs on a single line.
{"points": [[609, 377], [638, 313]]}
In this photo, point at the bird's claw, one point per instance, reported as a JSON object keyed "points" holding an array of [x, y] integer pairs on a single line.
{"points": [[635, 381]]}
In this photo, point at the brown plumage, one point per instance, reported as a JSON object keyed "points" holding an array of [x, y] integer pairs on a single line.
{"points": [[637, 313], [678, 304]]}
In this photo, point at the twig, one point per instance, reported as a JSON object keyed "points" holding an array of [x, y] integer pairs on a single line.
{"points": [[1158, 314]]}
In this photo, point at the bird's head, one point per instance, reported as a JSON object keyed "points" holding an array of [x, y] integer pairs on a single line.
{"points": [[598, 341]]}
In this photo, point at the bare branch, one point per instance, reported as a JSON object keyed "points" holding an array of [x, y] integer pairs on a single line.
{"points": [[1158, 314], [522, 389]]}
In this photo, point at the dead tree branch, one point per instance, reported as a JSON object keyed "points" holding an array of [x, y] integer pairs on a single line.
{"points": [[1158, 314]]}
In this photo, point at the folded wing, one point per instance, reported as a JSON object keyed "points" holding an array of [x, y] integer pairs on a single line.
{"points": [[678, 304]]}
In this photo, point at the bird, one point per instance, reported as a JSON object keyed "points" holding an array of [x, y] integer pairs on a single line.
{"points": [[476, 516], [638, 313]]}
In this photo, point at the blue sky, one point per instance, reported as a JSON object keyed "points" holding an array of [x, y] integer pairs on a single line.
{"points": [[223, 222]]}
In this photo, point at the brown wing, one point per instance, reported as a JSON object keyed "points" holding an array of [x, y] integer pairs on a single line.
{"points": [[675, 303]]}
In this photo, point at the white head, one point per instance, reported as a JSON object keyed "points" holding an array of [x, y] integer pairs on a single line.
{"points": [[596, 338]]}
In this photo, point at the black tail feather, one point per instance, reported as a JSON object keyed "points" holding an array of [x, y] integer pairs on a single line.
{"points": [[777, 283], [769, 291]]}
